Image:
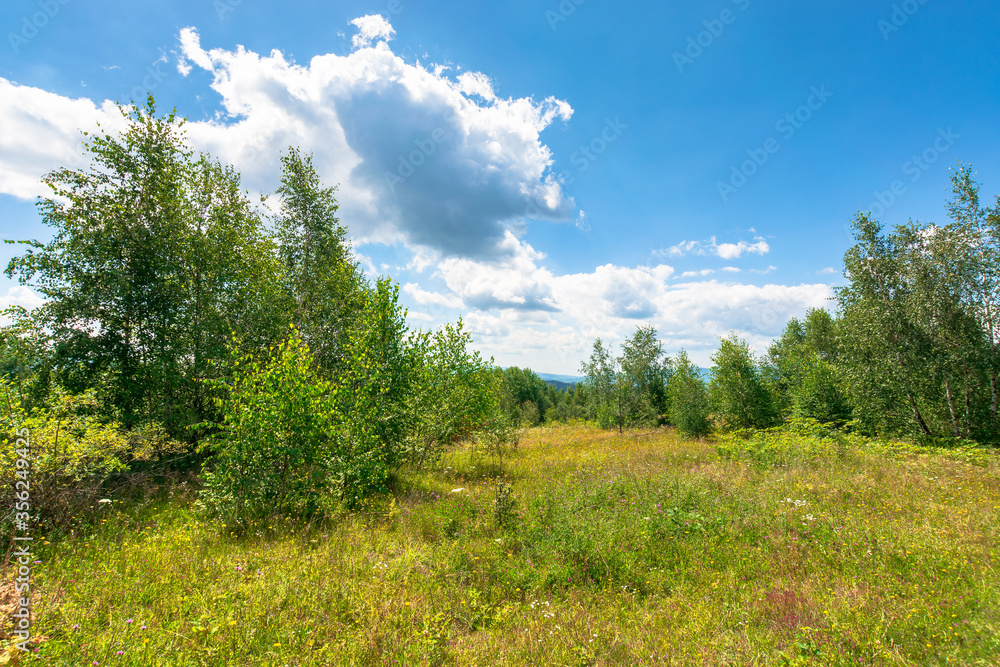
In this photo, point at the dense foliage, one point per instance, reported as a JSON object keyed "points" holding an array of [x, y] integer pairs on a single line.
{"points": [[920, 322], [172, 308]]}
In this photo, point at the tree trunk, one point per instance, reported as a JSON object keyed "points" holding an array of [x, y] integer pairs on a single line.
{"points": [[993, 390], [951, 408], [917, 415]]}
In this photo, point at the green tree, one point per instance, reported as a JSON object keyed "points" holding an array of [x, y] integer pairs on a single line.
{"points": [[279, 446], [371, 391], [520, 387], [323, 280], [645, 375], [603, 389], [819, 396], [455, 393], [740, 397], [785, 365], [155, 257], [916, 353], [688, 398], [805, 354]]}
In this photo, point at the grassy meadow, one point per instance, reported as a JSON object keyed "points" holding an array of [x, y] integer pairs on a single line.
{"points": [[591, 549]]}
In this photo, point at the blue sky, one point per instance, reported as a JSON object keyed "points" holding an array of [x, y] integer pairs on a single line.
{"points": [[551, 171]]}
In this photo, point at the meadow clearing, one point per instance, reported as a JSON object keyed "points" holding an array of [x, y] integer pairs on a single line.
{"points": [[591, 548]]}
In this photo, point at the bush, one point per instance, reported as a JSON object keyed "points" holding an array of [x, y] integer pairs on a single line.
{"points": [[454, 393], [277, 448], [74, 457]]}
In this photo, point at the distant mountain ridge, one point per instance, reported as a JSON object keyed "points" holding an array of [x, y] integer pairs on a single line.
{"points": [[561, 379], [567, 381]]}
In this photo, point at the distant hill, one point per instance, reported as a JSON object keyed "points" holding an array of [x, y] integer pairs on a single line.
{"points": [[561, 381], [566, 381]]}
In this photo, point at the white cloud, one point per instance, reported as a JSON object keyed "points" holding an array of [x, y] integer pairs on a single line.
{"points": [[734, 250], [827, 271], [694, 274], [19, 295], [371, 27], [476, 83], [681, 249], [423, 297], [418, 160], [40, 132], [191, 48], [523, 313], [759, 246]]}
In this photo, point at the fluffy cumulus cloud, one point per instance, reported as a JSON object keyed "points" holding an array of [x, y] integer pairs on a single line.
{"points": [[371, 27], [758, 246], [522, 310], [40, 132], [440, 164]]}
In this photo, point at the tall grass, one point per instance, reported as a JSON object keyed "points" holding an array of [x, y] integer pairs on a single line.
{"points": [[590, 549]]}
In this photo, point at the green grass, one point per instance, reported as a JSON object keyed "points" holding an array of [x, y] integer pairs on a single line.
{"points": [[634, 550]]}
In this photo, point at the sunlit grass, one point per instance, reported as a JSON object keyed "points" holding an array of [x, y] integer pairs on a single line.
{"points": [[633, 550]]}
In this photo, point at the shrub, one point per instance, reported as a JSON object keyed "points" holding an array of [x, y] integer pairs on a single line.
{"points": [[454, 393], [277, 446], [74, 456]]}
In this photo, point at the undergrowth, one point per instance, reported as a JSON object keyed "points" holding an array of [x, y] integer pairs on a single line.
{"points": [[789, 547]]}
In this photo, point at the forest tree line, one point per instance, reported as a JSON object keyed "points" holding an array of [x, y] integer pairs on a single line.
{"points": [[911, 349]]}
